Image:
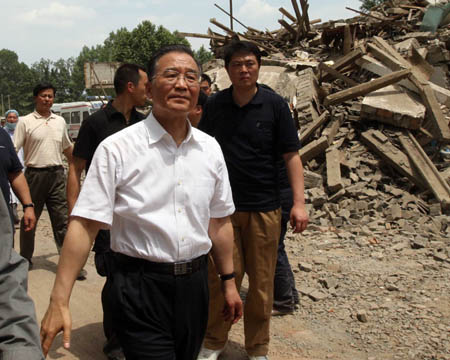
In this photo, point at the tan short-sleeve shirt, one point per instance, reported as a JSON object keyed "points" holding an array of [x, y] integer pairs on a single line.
{"points": [[43, 139]]}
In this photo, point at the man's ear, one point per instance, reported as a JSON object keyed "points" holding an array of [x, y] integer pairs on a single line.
{"points": [[130, 86], [198, 110]]}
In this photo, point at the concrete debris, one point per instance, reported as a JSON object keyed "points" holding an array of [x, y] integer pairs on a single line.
{"points": [[354, 86]]}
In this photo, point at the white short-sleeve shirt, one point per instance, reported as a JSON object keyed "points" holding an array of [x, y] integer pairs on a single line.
{"points": [[157, 198]]}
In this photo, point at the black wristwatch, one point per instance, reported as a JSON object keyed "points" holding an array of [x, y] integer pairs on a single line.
{"points": [[226, 277], [24, 206]]}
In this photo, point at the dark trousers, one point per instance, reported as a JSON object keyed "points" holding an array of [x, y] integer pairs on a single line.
{"points": [[47, 187], [159, 316], [285, 293]]}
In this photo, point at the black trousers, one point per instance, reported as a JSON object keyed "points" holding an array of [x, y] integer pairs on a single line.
{"points": [[285, 295], [159, 316]]}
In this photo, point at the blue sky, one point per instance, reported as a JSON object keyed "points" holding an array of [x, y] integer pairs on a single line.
{"points": [[54, 29]]}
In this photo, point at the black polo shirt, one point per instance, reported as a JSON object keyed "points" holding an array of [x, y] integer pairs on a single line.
{"points": [[252, 138], [93, 131], [9, 162], [98, 127]]}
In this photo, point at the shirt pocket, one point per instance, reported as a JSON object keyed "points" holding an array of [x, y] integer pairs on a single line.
{"points": [[200, 195]]}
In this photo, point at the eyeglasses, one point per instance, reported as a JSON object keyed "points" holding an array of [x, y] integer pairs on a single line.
{"points": [[191, 78], [239, 64]]}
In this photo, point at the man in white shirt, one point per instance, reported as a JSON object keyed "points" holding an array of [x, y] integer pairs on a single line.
{"points": [[162, 188]]}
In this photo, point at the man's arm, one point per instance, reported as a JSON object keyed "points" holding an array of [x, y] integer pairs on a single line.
{"points": [[299, 216], [77, 244], [221, 234], [20, 187], [68, 153], [76, 167]]}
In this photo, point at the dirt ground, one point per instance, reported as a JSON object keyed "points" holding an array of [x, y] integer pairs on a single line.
{"points": [[364, 296]]}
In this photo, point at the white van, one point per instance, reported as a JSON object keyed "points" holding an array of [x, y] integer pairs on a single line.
{"points": [[75, 112]]}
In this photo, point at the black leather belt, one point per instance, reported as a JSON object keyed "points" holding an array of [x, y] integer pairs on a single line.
{"points": [[48, 168], [177, 268]]}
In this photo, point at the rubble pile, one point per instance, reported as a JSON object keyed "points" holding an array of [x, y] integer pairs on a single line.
{"points": [[371, 100], [370, 96]]}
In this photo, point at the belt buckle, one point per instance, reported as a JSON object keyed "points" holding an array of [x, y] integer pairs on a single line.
{"points": [[182, 268]]}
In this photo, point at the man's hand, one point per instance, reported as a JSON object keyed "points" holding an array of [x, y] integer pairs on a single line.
{"points": [[29, 219], [232, 310], [299, 218], [56, 318]]}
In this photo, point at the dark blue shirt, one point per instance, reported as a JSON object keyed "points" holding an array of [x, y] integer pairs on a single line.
{"points": [[9, 162], [252, 138]]}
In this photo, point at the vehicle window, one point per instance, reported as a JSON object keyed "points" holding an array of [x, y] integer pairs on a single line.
{"points": [[66, 117], [75, 117]]}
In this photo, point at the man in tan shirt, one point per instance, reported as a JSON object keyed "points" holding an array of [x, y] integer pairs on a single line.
{"points": [[44, 138]]}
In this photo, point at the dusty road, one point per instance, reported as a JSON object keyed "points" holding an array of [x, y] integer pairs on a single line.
{"points": [[366, 296]]}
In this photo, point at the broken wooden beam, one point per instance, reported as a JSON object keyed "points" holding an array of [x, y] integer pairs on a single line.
{"points": [[313, 149], [333, 163], [287, 14], [427, 169], [305, 18], [345, 60], [201, 36], [288, 27], [223, 27], [440, 124], [393, 156], [304, 135], [366, 88], [336, 74]]}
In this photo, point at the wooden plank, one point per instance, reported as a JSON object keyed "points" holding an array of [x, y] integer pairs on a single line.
{"points": [[426, 168], [333, 163], [440, 124], [366, 88], [297, 11], [288, 27], [304, 135], [337, 74], [313, 149], [201, 36], [333, 127], [348, 40], [345, 60], [223, 27], [370, 64], [385, 58], [287, 14], [305, 6], [394, 157]]}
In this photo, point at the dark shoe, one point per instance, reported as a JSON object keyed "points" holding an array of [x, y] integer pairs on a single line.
{"points": [[282, 312], [82, 275]]}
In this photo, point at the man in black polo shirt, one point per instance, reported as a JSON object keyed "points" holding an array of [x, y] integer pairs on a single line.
{"points": [[253, 125], [130, 84]]}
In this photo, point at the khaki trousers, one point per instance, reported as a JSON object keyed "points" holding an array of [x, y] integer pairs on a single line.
{"points": [[256, 237]]}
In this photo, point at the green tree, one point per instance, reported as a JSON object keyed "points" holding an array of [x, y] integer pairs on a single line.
{"points": [[369, 4], [16, 82], [202, 55], [141, 43]]}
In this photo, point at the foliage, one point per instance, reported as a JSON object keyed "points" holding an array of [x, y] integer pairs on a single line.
{"points": [[369, 4], [202, 55], [16, 82]]}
